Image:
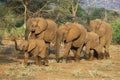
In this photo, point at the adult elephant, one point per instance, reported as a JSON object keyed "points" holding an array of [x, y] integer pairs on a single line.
{"points": [[41, 28], [73, 36], [104, 30]]}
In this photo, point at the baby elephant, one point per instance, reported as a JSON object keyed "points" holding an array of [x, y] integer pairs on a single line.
{"points": [[92, 44], [35, 48]]}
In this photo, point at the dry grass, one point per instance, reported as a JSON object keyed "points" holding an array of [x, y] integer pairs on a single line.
{"points": [[76, 73]]}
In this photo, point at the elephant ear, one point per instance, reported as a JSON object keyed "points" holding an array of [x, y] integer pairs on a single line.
{"points": [[73, 33], [41, 25], [32, 45]]}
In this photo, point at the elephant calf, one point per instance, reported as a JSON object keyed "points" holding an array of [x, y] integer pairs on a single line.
{"points": [[33, 47], [92, 44]]}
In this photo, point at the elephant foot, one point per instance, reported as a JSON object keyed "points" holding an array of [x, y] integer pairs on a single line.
{"points": [[100, 56], [77, 60], [46, 62], [25, 65], [107, 55], [58, 60], [90, 57], [87, 56], [68, 61]]}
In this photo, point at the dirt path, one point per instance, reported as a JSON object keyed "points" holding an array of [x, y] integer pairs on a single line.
{"points": [[13, 69]]}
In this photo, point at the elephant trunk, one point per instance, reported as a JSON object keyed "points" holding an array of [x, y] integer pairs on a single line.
{"points": [[59, 44], [27, 32]]}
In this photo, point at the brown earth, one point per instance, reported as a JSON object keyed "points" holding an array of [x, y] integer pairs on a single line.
{"points": [[11, 67]]}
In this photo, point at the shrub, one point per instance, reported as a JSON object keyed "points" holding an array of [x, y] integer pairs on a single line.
{"points": [[18, 32], [116, 31]]}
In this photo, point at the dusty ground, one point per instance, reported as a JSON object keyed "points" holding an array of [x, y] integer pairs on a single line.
{"points": [[11, 67]]}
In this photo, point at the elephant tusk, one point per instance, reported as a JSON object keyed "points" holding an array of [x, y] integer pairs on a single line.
{"points": [[52, 44], [62, 49], [29, 35], [62, 44]]}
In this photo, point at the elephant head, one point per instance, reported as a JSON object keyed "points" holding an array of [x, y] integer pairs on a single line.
{"points": [[35, 25], [25, 45], [22, 46], [94, 25], [41, 25], [31, 22], [98, 26], [62, 33]]}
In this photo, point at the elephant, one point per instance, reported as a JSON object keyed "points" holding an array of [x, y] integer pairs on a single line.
{"points": [[104, 30], [92, 44], [40, 28], [72, 36], [33, 47]]}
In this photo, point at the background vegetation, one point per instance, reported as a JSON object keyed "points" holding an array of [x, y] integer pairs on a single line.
{"points": [[14, 14]]}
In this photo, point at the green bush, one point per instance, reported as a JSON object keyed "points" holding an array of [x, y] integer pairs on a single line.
{"points": [[116, 31]]}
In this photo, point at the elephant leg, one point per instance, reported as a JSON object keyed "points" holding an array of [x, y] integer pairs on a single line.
{"points": [[46, 62], [67, 50], [79, 50], [74, 52], [26, 55], [37, 60], [107, 55], [46, 57], [77, 55], [57, 58], [91, 54], [100, 52], [57, 54], [87, 51], [102, 43]]}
